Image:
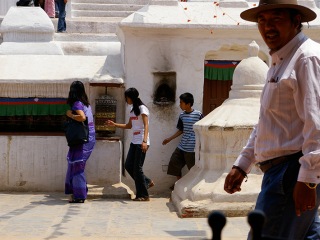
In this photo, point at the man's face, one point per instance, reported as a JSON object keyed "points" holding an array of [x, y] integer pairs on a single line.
{"points": [[276, 27]]}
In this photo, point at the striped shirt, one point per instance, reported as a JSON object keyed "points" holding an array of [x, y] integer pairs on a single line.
{"points": [[185, 124]]}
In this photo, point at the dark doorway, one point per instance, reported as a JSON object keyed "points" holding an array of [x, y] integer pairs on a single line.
{"points": [[217, 83]]}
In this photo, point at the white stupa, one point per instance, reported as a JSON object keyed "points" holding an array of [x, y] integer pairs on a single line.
{"points": [[220, 136]]}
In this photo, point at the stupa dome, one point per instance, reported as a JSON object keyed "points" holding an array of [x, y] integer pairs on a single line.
{"points": [[250, 75]]}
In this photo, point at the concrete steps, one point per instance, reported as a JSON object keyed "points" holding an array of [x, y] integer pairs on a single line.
{"points": [[138, 2], [86, 37], [91, 37], [105, 8], [98, 16], [92, 13], [88, 44], [93, 25]]}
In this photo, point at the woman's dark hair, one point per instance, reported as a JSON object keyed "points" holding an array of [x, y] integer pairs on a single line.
{"points": [[77, 93], [133, 94], [187, 98]]}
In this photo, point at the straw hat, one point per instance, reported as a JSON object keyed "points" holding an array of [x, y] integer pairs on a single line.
{"points": [[251, 14]]}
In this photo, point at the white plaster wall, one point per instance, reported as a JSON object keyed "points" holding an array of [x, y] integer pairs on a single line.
{"points": [[32, 163], [38, 163], [104, 166], [183, 52], [156, 49], [5, 5]]}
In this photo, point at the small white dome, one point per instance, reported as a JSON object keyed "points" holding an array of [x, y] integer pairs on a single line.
{"points": [[250, 75]]}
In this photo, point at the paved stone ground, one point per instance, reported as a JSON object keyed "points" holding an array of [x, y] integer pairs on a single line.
{"points": [[35, 216]]}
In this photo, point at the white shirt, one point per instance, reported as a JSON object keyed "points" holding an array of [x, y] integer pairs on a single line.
{"points": [[290, 110], [138, 126]]}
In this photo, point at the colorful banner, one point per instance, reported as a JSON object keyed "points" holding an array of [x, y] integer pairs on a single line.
{"points": [[219, 70], [33, 106]]}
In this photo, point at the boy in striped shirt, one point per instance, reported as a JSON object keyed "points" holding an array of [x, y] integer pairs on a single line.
{"points": [[184, 154]]}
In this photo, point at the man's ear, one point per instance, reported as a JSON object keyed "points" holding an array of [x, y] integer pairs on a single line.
{"points": [[297, 20]]}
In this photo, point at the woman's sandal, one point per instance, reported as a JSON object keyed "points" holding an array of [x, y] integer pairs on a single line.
{"points": [[77, 201], [141, 199]]}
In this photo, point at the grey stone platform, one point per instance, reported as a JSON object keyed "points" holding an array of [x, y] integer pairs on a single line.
{"points": [[39, 216]]}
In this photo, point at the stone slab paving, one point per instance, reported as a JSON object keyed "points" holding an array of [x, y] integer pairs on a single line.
{"points": [[35, 216]]}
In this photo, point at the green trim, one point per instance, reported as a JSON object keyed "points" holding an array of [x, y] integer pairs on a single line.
{"points": [[33, 110], [218, 74], [33, 106]]}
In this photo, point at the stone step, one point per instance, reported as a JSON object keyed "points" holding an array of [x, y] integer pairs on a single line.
{"points": [[100, 14], [105, 7], [90, 24], [86, 37], [139, 2]]}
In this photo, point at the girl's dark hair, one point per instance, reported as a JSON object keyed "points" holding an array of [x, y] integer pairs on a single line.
{"points": [[133, 94], [187, 98], [77, 93]]}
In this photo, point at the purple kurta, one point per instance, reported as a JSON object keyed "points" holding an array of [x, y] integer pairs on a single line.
{"points": [[77, 157]]}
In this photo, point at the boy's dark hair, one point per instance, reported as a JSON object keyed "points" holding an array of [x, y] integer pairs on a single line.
{"points": [[187, 98], [133, 94]]}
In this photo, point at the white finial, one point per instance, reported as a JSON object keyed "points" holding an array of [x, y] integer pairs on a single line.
{"points": [[253, 49]]}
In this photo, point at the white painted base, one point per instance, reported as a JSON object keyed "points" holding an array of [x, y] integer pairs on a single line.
{"points": [[197, 198]]}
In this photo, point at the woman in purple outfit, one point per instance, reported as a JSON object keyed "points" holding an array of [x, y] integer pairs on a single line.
{"points": [[76, 183]]}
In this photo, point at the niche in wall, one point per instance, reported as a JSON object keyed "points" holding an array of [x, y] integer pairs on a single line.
{"points": [[164, 92]]}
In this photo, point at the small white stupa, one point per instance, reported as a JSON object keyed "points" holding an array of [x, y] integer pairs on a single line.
{"points": [[220, 136], [28, 30]]}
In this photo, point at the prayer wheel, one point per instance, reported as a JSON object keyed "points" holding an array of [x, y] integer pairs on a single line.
{"points": [[106, 107]]}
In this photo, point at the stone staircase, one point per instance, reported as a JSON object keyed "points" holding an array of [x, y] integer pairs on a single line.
{"points": [[99, 16], [106, 8], [94, 23]]}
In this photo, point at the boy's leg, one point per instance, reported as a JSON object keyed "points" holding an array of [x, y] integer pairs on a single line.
{"points": [[176, 163], [190, 159]]}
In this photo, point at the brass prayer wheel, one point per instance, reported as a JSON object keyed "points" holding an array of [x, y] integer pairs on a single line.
{"points": [[106, 107]]}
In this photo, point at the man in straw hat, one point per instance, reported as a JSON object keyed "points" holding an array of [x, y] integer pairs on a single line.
{"points": [[285, 144]]}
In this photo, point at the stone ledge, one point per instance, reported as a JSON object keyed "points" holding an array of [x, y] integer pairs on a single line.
{"points": [[228, 209]]}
